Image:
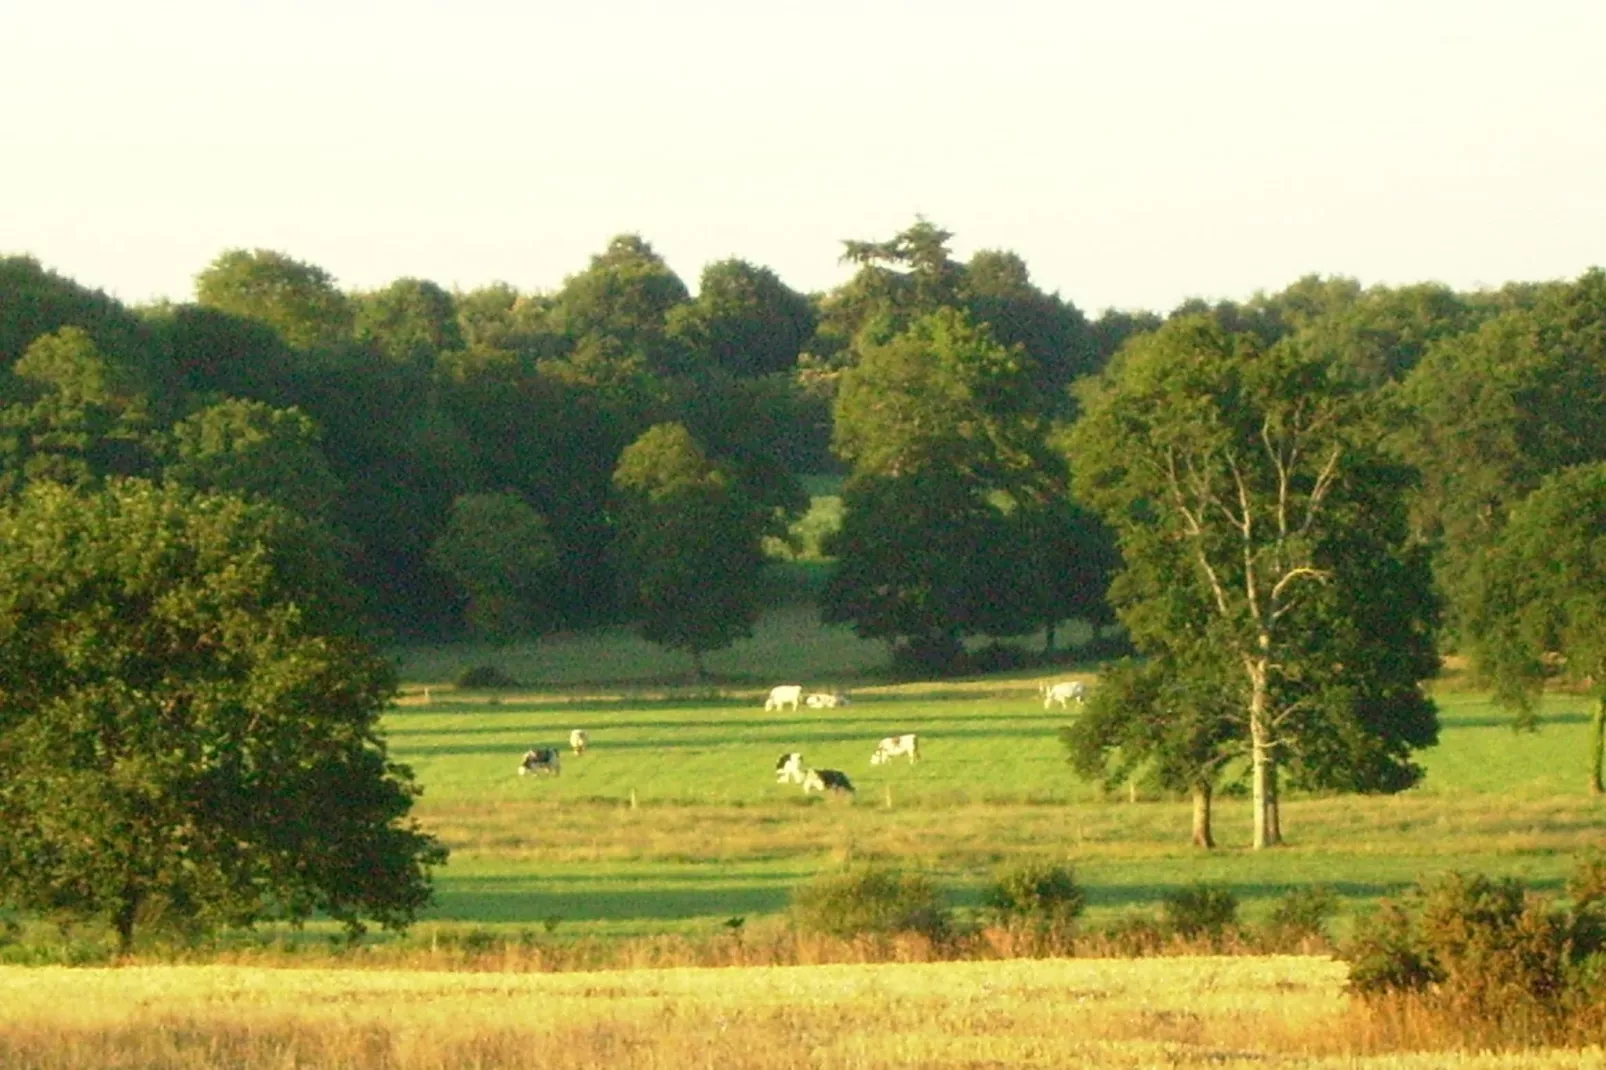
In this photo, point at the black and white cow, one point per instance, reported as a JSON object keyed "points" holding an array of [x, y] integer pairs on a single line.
{"points": [[789, 768], [892, 746], [832, 780], [540, 760]]}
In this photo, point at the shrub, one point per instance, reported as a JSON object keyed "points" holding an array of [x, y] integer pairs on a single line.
{"points": [[484, 677], [1298, 920], [1200, 911], [997, 657], [871, 901], [1035, 891], [1387, 954], [1132, 935]]}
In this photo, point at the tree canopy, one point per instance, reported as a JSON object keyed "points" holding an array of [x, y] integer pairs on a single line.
{"points": [[189, 725]]}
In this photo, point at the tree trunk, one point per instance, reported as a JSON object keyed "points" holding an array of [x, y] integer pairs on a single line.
{"points": [[1048, 638], [1597, 747], [697, 665], [1201, 816], [1262, 761], [1274, 803], [123, 919]]}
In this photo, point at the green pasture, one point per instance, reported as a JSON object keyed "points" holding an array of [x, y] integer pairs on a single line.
{"points": [[673, 820]]}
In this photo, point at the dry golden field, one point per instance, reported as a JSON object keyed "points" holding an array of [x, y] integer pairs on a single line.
{"points": [[1178, 1012]]}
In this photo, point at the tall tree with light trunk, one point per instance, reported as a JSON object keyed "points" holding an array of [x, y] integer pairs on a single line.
{"points": [[1236, 477]]}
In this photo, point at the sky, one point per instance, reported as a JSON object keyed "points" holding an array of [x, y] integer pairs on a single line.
{"points": [[1135, 154]]}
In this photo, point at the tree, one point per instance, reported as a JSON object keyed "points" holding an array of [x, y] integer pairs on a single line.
{"points": [[688, 554], [952, 507], [623, 299], [500, 553], [1248, 489], [914, 555], [1175, 721], [297, 299], [745, 320], [1490, 413], [1539, 610], [411, 321], [189, 724], [257, 452], [70, 415], [997, 290]]}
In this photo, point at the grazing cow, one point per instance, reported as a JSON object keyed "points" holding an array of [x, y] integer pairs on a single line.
{"points": [[784, 695], [1063, 693], [832, 780], [540, 760], [893, 746], [822, 700], [789, 767], [579, 741]]}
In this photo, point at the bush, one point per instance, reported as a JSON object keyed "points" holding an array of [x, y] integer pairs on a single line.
{"points": [[484, 677], [871, 901], [1487, 952], [1200, 911], [1298, 920], [997, 657], [1035, 891]]}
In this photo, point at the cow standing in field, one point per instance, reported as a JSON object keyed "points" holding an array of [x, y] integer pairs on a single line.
{"points": [[893, 746], [579, 741], [789, 768], [827, 780], [1063, 693], [784, 695], [541, 760]]}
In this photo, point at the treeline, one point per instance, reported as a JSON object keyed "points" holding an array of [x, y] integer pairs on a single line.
{"points": [[377, 411]]}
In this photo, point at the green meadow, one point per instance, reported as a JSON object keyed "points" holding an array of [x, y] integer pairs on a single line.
{"points": [[673, 823]]}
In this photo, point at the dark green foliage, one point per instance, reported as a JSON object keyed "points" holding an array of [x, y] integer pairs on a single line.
{"points": [[35, 302], [688, 551], [256, 451], [1298, 920], [411, 321], [1200, 912], [871, 901], [484, 678], [189, 723], [499, 553], [745, 321], [1037, 892]]}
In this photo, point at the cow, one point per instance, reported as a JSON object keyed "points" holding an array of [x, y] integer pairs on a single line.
{"points": [[579, 741], [822, 700], [540, 760], [832, 780], [893, 746], [789, 767], [1063, 693], [784, 694]]}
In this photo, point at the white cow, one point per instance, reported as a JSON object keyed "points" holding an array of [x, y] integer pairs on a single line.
{"points": [[789, 767], [540, 760], [893, 746], [784, 695], [823, 700], [1063, 693], [579, 741], [832, 780]]}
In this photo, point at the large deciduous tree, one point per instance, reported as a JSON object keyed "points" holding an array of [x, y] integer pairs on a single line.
{"points": [[688, 549], [1255, 511], [189, 724], [1539, 610]]}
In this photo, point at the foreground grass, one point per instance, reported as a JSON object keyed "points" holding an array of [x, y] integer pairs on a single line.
{"points": [[1199, 1012]]}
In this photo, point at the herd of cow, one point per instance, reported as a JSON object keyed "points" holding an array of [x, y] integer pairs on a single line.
{"points": [[789, 768]]}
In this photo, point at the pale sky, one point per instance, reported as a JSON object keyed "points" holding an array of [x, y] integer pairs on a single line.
{"points": [[1134, 153]]}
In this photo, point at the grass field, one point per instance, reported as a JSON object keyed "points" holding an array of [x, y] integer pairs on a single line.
{"points": [[673, 821]]}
